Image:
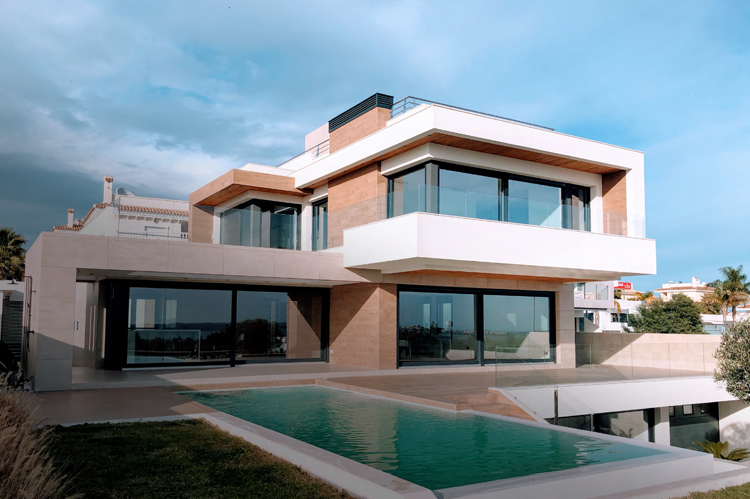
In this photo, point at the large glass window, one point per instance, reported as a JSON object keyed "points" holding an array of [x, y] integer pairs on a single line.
{"points": [[436, 327], [637, 425], [488, 195], [175, 325], [534, 204], [407, 193], [517, 328], [178, 325], [278, 325], [260, 223], [469, 195], [320, 226]]}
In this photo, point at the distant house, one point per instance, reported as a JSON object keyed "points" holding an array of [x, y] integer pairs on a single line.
{"points": [[123, 214], [11, 309], [696, 290]]}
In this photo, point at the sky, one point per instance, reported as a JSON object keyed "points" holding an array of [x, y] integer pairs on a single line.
{"points": [[166, 96]]}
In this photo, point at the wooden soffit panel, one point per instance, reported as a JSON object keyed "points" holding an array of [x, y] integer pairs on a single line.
{"points": [[236, 182], [488, 148], [484, 275]]}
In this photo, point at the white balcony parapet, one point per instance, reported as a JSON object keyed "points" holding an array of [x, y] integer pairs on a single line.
{"points": [[426, 241]]}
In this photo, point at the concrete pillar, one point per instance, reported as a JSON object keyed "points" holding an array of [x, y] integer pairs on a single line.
{"points": [[661, 425]]}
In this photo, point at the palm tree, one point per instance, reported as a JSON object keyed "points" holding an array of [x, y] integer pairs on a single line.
{"points": [[647, 296], [733, 291], [12, 254]]}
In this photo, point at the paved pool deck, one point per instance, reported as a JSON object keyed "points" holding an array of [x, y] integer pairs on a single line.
{"points": [[146, 394]]}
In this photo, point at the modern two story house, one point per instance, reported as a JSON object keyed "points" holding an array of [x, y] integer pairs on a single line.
{"points": [[412, 233]]}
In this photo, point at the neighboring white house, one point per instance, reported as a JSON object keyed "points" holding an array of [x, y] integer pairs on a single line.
{"points": [[597, 310], [124, 214], [696, 290]]}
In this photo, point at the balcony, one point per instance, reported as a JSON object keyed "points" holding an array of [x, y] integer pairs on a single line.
{"points": [[594, 295], [157, 234], [555, 242]]}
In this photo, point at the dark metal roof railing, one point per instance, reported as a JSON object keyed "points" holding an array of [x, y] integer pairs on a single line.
{"points": [[376, 100], [410, 102], [314, 151]]}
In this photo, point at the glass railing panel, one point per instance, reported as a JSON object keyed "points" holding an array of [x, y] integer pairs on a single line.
{"points": [[469, 204], [485, 206]]}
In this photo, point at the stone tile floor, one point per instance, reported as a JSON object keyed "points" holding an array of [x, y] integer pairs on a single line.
{"points": [[113, 395]]}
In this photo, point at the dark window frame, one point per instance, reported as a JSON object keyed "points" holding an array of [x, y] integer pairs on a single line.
{"points": [[118, 291], [316, 213], [566, 190], [478, 317]]}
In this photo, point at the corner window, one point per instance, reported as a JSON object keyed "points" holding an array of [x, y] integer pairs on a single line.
{"points": [[320, 225], [262, 224], [488, 195]]}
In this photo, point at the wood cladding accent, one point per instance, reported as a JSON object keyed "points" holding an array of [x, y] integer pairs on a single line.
{"points": [[615, 203], [363, 326], [353, 200], [200, 224], [486, 147], [484, 275], [359, 128], [235, 182]]}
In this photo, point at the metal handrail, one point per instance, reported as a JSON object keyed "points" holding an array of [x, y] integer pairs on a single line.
{"points": [[318, 149], [411, 102], [155, 235]]}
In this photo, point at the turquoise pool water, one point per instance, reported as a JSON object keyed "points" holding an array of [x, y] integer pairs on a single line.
{"points": [[433, 448]]}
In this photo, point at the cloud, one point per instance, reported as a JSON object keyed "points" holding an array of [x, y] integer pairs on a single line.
{"points": [[165, 96]]}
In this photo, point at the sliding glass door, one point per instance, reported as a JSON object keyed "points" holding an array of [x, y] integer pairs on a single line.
{"points": [[279, 325], [517, 328], [453, 326], [178, 325], [154, 324], [436, 326]]}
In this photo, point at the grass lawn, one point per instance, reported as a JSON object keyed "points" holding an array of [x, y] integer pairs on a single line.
{"points": [[188, 458], [738, 492]]}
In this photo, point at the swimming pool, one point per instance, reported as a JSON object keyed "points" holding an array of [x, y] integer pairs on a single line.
{"points": [[430, 447]]}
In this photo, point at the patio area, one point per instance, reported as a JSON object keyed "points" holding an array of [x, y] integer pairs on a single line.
{"points": [[147, 394]]}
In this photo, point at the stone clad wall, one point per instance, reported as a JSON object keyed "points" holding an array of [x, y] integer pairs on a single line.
{"points": [[690, 352]]}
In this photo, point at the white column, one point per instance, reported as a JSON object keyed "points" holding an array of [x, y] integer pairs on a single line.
{"points": [[661, 426]]}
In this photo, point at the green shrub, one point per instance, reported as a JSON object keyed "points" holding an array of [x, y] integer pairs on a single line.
{"points": [[720, 450]]}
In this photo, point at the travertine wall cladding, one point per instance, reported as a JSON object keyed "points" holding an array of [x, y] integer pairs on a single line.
{"points": [[354, 199], [690, 352], [363, 326], [359, 128], [364, 322], [615, 203]]}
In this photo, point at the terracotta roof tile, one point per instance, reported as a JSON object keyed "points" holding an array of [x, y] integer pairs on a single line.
{"points": [[156, 211], [75, 228]]}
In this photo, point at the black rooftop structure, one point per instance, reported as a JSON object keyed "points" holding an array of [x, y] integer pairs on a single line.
{"points": [[377, 100]]}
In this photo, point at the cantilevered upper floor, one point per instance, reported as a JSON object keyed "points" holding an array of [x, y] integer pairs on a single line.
{"points": [[422, 187]]}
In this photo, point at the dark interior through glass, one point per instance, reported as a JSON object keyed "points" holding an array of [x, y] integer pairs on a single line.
{"points": [[178, 325], [260, 223], [488, 195]]}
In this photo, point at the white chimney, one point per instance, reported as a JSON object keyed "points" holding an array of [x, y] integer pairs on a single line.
{"points": [[108, 189], [70, 217]]}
